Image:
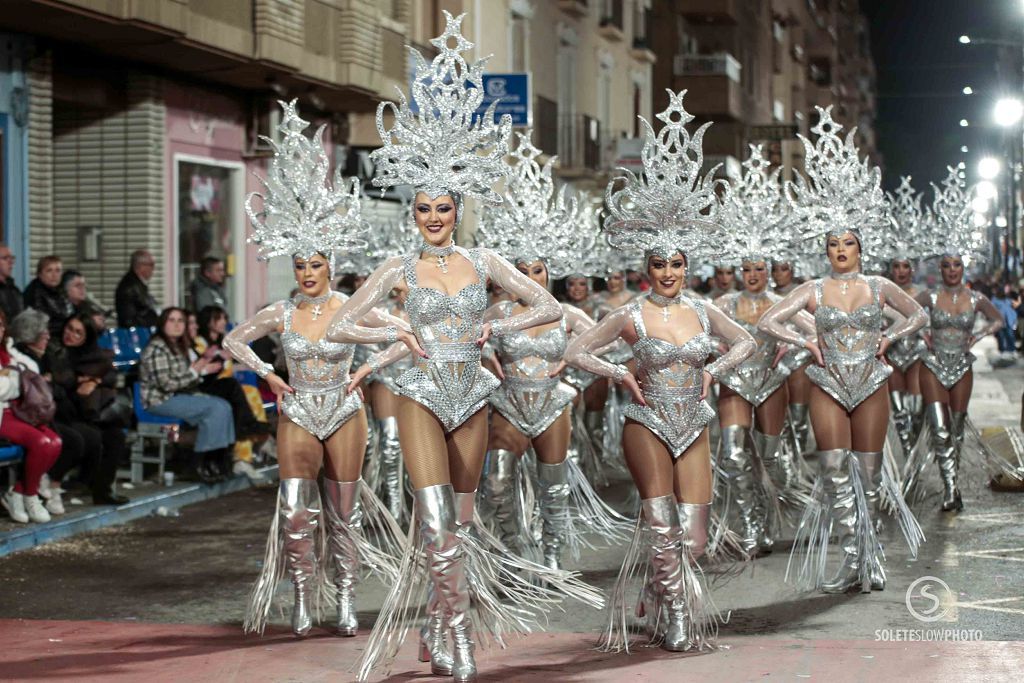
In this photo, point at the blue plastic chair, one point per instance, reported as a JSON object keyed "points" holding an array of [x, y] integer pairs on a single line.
{"points": [[149, 426]]}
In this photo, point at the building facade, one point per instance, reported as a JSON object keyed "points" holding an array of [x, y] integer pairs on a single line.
{"points": [[757, 68]]}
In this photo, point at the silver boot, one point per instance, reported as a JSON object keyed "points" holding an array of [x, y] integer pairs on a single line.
{"points": [[959, 421], [800, 425], [299, 518], [434, 637], [662, 517], [499, 489], [436, 510], [841, 501], [944, 448], [693, 520], [901, 418], [737, 464], [554, 497], [344, 520], [915, 408], [391, 467], [780, 468], [869, 467]]}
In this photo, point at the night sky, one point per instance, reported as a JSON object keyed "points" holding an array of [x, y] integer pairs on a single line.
{"points": [[922, 70]]}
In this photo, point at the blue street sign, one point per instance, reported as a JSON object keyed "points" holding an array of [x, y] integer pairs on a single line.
{"points": [[512, 90]]}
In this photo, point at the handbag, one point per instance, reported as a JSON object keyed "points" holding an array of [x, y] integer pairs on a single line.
{"points": [[35, 404]]}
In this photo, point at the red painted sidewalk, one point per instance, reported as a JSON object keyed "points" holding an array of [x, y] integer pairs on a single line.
{"points": [[125, 651]]}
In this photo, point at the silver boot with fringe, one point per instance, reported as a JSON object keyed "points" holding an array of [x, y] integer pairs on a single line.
{"points": [[344, 515], [800, 425], [666, 584], [841, 502], [737, 463], [500, 494], [702, 617], [299, 511], [554, 509], [391, 470], [869, 471], [901, 418], [945, 450], [437, 512]]}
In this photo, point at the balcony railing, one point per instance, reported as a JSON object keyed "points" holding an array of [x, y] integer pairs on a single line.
{"points": [[707, 65], [579, 142]]}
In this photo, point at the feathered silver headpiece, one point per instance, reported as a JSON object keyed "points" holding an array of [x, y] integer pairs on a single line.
{"points": [[668, 207], [534, 222], [303, 212], [954, 233], [393, 232], [439, 143], [839, 192], [756, 218]]}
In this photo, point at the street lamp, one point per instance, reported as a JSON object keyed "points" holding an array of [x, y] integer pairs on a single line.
{"points": [[968, 90], [988, 168], [979, 205], [986, 189], [964, 123], [963, 148], [965, 40], [1008, 112]]}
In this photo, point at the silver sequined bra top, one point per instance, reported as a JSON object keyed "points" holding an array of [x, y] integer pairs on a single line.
{"points": [[849, 342], [451, 381], [314, 366], [528, 398], [671, 379]]}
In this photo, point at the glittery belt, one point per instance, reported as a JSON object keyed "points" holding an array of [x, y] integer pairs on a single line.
{"points": [[453, 352], [670, 393], [315, 386], [834, 357], [530, 384]]}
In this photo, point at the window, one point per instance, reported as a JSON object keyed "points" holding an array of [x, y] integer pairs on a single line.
{"points": [[519, 42]]}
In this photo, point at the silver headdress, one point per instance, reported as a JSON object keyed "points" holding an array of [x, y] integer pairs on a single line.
{"points": [[913, 225], [303, 212], [755, 215], [954, 233], [534, 222], [393, 232], [669, 207], [839, 192], [439, 143]]}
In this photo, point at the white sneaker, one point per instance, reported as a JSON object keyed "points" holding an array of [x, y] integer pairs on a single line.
{"points": [[255, 478], [36, 512], [55, 505], [44, 487], [14, 503]]}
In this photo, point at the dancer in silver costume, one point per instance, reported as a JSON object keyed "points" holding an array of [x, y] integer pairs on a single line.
{"points": [[842, 198], [947, 378], [320, 424], [905, 355], [536, 227], [447, 151], [754, 391], [663, 214]]}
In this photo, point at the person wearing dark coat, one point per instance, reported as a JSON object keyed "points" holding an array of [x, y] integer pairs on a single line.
{"points": [[11, 299], [46, 295], [135, 306]]}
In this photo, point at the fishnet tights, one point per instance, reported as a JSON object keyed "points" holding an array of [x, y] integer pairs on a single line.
{"points": [[958, 397], [550, 445], [300, 454], [862, 430], [383, 400], [770, 416], [433, 457], [655, 473]]}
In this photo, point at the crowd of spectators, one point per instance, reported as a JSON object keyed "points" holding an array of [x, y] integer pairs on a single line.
{"points": [[63, 401]]}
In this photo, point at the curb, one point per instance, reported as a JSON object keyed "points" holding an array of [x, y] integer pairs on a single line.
{"points": [[34, 535]]}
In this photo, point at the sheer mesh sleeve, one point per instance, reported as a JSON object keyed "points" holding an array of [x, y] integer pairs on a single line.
{"points": [[392, 354], [237, 341], [378, 317], [741, 344], [541, 307], [906, 306], [804, 322], [578, 322], [774, 320], [581, 350], [345, 327], [995, 318]]}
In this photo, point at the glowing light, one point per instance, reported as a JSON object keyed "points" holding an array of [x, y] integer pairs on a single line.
{"points": [[986, 189], [1008, 112], [988, 168]]}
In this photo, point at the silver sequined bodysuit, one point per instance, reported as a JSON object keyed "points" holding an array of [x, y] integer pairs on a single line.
{"points": [[389, 374], [848, 340], [950, 357], [669, 376], [528, 397], [317, 371], [755, 379], [450, 381]]}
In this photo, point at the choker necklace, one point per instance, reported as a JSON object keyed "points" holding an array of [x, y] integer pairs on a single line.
{"points": [[954, 292], [664, 302], [314, 301], [844, 279], [442, 254]]}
